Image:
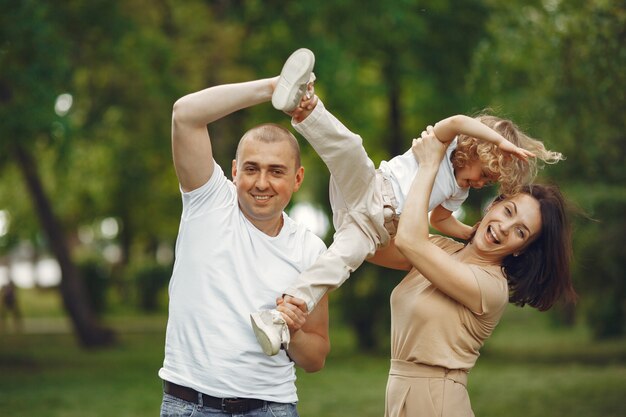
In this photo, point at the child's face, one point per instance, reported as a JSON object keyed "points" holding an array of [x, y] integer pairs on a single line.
{"points": [[472, 175]]}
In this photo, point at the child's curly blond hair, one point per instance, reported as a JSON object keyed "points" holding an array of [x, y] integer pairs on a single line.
{"points": [[510, 172]]}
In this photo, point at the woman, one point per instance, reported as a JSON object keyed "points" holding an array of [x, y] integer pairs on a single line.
{"points": [[455, 294]]}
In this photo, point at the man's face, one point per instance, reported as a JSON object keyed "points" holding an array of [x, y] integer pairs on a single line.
{"points": [[265, 176]]}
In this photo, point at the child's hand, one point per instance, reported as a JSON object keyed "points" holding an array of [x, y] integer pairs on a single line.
{"points": [[306, 106], [521, 153]]}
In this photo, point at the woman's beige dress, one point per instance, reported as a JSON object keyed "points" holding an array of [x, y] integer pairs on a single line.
{"points": [[436, 341]]}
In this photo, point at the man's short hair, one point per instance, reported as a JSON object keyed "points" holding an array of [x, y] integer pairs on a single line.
{"points": [[270, 133]]}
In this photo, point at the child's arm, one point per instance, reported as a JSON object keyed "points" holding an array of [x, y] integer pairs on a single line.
{"points": [[447, 129], [442, 220]]}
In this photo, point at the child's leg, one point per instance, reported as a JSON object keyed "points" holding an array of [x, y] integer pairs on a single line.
{"points": [[354, 242], [356, 199], [342, 151], [356, 189]]}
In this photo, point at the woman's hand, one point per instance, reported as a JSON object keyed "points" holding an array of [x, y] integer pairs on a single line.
{"points": [[428, 150]]}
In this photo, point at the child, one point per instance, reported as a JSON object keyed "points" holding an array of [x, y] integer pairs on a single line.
{"points": [[366, 202]]}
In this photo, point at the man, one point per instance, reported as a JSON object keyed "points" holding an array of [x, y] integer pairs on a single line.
{"points": [[236, 251]]}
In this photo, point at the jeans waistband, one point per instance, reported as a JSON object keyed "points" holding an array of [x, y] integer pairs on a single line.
{"points": [[228, 405]]}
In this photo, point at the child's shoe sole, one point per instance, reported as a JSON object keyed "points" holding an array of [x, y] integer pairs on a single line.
{"points": [[293, 80], [265, 335]]}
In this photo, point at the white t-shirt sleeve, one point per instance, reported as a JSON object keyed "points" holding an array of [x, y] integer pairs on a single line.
{"points": [[218, 191], [455, 202]]}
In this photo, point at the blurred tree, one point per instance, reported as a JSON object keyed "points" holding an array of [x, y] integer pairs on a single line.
{"points": [[122, 92], [34, 70], [565, 77], [118, 68], [558, 67], [601, 251]]}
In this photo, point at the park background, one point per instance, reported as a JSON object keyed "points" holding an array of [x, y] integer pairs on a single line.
{"points": [[89, 203]]}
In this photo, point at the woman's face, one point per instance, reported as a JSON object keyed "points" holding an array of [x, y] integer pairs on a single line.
{"points": [[508, 227]]}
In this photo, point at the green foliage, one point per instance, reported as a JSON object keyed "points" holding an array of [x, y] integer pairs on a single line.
{"points": [[33, 68], [558, 68], [97, 279], [364, 305], [599, 268], [150, 280]]}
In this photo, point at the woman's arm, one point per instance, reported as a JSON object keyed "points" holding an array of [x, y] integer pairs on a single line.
{"points": [[449, 275]]}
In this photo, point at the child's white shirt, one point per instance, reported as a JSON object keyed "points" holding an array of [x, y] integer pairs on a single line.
{"points": [[401, 171]]}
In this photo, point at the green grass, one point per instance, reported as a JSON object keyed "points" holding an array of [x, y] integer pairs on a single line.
{"points": [[528, 369], [47, 375]]}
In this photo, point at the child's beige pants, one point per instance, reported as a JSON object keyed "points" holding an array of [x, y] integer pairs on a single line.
{"points": [[362, 201]]}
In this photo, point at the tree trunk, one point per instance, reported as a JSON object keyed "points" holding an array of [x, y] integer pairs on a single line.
{"points": [[86, 325]]}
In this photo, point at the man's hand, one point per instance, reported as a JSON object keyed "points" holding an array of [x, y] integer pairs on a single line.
{"points": [[306, 105], [294, 311]]}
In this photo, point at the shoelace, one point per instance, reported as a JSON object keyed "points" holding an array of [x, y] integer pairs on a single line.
{"points": [[277, 318], [304, 88]]}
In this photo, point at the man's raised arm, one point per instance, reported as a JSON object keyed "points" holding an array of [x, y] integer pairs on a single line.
{"points": [[191, 145]]}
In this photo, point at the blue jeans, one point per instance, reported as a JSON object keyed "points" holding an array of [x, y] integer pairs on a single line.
{"points": [[175, 407]]}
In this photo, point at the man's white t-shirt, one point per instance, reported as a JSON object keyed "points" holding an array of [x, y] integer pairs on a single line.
{"points": [[225, 269], [446, 191]]}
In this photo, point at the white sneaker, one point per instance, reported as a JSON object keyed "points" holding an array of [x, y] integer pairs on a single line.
{"points": [[294, 78], [270, 330]]}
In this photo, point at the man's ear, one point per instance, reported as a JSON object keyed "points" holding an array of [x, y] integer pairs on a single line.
{"points": [[299, 179], [233, 171]]}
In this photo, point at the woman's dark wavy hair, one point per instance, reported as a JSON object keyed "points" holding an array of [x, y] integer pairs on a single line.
{"points": [[540, 274]]}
